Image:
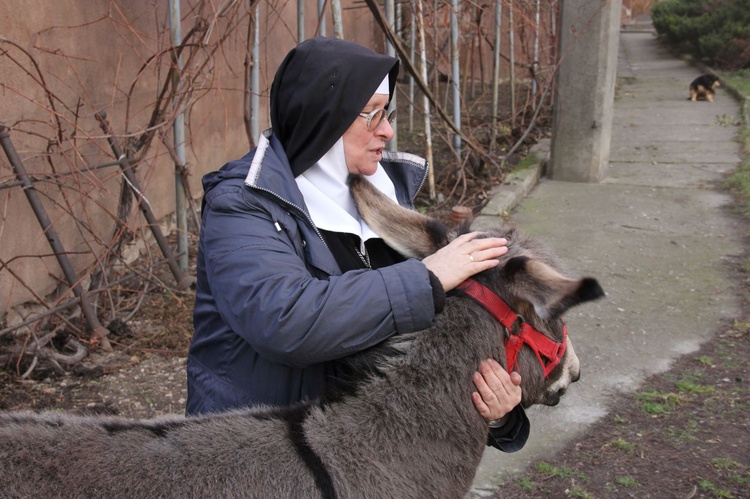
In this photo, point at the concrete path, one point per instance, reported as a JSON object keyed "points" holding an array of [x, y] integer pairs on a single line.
{"points": [[657, 234]]}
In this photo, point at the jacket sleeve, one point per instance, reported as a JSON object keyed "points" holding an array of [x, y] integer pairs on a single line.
{"points": [[512, 436], [264, 291]]}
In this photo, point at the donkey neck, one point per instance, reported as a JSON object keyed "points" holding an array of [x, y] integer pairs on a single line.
{"points": [[419, 419]]}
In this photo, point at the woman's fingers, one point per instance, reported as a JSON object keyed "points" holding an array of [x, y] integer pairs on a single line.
{"points": [[465, 256], [497, 391]]}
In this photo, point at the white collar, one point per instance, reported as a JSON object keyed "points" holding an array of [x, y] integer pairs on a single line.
{"points": [[327, 196]]}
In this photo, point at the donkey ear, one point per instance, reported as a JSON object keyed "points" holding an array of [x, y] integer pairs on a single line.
{"points": [[408, 232], [551, 293]]}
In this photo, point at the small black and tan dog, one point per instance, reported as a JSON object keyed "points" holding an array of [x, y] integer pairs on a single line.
{"points": [[703, 88]]}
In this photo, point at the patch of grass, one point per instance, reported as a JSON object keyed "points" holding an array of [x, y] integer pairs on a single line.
{"points": [[735, 471], [727, 120], [688, 433], [620, 419], [627, 482], [525, 483], [579, 492], [733, 363], [622, 444], [740, 478], [708, 486], [673, 399], [557, 471], [739, 182], [656, 408], [548, 469], [690, 387], [692, 376], [657, 403], [706, 360], [724, 463], [739, 80]]}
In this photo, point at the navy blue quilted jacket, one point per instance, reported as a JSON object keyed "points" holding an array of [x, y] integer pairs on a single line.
{"points": [[271, 302]]}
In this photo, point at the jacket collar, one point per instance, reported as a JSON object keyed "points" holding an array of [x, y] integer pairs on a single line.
{"points": [[270, 171]]}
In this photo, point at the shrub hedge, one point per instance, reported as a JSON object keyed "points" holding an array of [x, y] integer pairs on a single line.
{"points": [[715, 31]]}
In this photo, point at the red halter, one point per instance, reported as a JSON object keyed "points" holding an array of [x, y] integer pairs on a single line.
{"points": [[547, 351]]}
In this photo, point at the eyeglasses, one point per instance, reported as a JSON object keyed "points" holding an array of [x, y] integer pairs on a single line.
{"points": [[375, 118]]}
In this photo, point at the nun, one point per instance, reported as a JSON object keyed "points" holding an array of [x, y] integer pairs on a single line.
{"points": [[290, 278]]}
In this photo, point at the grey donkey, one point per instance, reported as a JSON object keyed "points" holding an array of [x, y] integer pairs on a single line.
{"points": [[405, 427]]}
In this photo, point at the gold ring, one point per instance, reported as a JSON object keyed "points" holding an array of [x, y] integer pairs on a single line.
{"points": [[471, 257]]}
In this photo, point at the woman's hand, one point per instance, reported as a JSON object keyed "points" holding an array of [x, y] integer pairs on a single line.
{"points": [[465, 256], [497, 391]]}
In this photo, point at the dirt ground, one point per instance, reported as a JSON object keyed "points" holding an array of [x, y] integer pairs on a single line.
{"points": [[143, 377], [684, 434]]}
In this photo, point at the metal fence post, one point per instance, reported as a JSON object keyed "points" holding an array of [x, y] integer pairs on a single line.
{"points": [[183, 280]]}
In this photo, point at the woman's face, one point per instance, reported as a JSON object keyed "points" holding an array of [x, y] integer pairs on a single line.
{"points": [[363, 148]]}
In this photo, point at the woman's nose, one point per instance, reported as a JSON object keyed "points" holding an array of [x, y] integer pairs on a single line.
{"points": [[385, 130]]}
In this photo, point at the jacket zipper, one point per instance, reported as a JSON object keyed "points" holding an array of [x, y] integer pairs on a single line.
{"points": [[421, 184], [364, 257], [298, 208]]}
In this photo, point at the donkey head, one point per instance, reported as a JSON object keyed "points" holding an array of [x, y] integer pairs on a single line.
{"points": [[528, 280]]}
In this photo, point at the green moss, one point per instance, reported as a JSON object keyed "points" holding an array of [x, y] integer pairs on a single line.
{"points": [[527, 162]]}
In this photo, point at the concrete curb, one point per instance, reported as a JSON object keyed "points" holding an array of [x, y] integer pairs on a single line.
{"points": [[515, 187]]}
